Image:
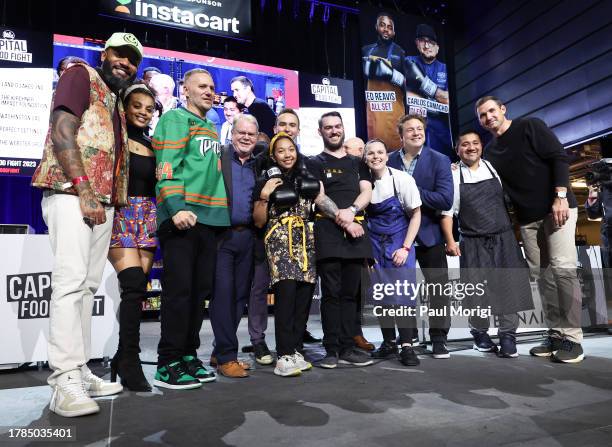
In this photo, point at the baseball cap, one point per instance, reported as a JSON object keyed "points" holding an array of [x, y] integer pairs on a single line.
{"points": [[125, 39], [424, 30]]}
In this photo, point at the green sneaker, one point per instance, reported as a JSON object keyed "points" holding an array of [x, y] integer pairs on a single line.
{"points": [[195, 368], [174, 377]]}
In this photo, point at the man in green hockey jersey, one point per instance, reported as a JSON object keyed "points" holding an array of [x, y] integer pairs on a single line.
{"points": [[192, 208]]}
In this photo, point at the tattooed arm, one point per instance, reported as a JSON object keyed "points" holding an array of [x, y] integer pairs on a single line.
{"points": [[325, 204], [63, 134]]}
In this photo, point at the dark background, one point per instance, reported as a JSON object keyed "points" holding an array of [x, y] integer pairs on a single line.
{"points": [[547, 58]]}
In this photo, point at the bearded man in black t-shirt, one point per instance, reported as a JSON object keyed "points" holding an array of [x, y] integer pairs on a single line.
{"points": [[534, 169], [341, 240]]}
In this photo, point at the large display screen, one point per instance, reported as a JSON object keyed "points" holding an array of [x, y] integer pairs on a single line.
{"points": [[22, 137]]}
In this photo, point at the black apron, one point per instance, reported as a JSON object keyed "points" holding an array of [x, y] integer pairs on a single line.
{"points": [[331, 241], [488, 246]]}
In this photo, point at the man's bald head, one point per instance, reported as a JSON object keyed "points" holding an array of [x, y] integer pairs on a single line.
{"points": [[354, 146]]}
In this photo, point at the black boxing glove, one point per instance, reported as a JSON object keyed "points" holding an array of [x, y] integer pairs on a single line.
{"points": [[307, 187], [284, 196], [416, 81]]}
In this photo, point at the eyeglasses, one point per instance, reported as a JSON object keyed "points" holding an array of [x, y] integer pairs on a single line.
{"points": [[242, 133], [428, 41]]}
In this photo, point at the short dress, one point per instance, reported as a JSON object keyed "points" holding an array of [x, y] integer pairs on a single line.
{"points": [[289, 243], [135, 224]]}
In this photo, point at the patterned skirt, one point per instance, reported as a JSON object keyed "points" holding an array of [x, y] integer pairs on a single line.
{"points": [[134, 225]]}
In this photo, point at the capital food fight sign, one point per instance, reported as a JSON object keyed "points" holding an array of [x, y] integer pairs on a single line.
{"points": [[32, 293], [25, 48], [228, 18]]}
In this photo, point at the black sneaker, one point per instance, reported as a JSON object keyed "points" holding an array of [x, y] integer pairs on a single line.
{"points": [[330, 361], [507, 346], [247, 349], [309, 338], [354, 357], [262, 354], [569, 352], [482, 342], [439, 350], [387, 349], [549, 346], [174, 377], [408, 357], [195, 368]]}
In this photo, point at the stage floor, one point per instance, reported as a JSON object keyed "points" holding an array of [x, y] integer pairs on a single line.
{"points": [[471, 399]]}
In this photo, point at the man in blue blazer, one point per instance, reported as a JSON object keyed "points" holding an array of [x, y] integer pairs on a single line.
{"points": [[432, 174]]}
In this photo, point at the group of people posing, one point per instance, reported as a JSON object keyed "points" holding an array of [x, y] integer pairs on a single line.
{"points": [[231, 220]]}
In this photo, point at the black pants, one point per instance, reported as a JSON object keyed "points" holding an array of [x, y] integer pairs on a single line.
{"points": [[405, 326], [187, 281], [340, 281], [291, 298], [432, 261]]}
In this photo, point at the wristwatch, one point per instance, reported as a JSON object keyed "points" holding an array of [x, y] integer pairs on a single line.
{"points": [[354, 209], [562, 194]]}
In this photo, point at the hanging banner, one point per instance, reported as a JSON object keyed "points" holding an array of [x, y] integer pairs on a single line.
{"points": [[219, 17], [25, 102], [25, 48], [318, 95], [404, 73]]}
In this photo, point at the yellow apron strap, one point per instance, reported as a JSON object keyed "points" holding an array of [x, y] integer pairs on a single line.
{"points": [[290, 221]]}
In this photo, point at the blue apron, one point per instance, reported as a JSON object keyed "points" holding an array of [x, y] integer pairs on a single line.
{"points": [[388, 223]]}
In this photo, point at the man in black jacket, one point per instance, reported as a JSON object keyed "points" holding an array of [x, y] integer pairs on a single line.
{"points": [[534, 169]]}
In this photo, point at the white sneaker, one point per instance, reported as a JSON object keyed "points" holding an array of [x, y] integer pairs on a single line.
{"points": [[70, 399], [301, 362], [96, 387], [286, 366]]}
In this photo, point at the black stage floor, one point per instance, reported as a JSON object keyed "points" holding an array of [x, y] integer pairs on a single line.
{"points": [[471, 399]]}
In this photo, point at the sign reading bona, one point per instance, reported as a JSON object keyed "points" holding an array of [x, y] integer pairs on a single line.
{"points": [[230, 18]]}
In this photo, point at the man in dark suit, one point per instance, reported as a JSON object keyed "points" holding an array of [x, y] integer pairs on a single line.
{"points": [[235, 252], [432, 174]]}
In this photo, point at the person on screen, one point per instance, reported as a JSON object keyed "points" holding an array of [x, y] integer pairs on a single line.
{"points": [[383, 69], [425, 74], [230, 110], [148, 73], [69, 61], [84, 176], [244, 92], [426, 77]]}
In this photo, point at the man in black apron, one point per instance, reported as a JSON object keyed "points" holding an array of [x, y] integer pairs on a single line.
{"points": [[490, 254], [341, 240]]}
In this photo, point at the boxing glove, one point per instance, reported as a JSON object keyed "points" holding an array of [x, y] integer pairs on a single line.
{"points": [[307, 187], [416, 81]]}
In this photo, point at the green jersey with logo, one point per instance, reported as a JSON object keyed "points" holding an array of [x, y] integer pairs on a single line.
{"points": [[188, 157]]}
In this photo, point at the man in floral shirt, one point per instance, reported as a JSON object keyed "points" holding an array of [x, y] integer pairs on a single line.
{"points": [[84, 174]]}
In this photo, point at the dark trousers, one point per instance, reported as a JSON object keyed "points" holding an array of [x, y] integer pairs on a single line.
{"points": [[258, 301], [187, 281], [432, 261], [340, 281], [405, 326], [290, 301], [232, 289]]}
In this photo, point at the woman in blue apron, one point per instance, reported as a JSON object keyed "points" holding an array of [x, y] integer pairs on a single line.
{"points": [[394, 217]]}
